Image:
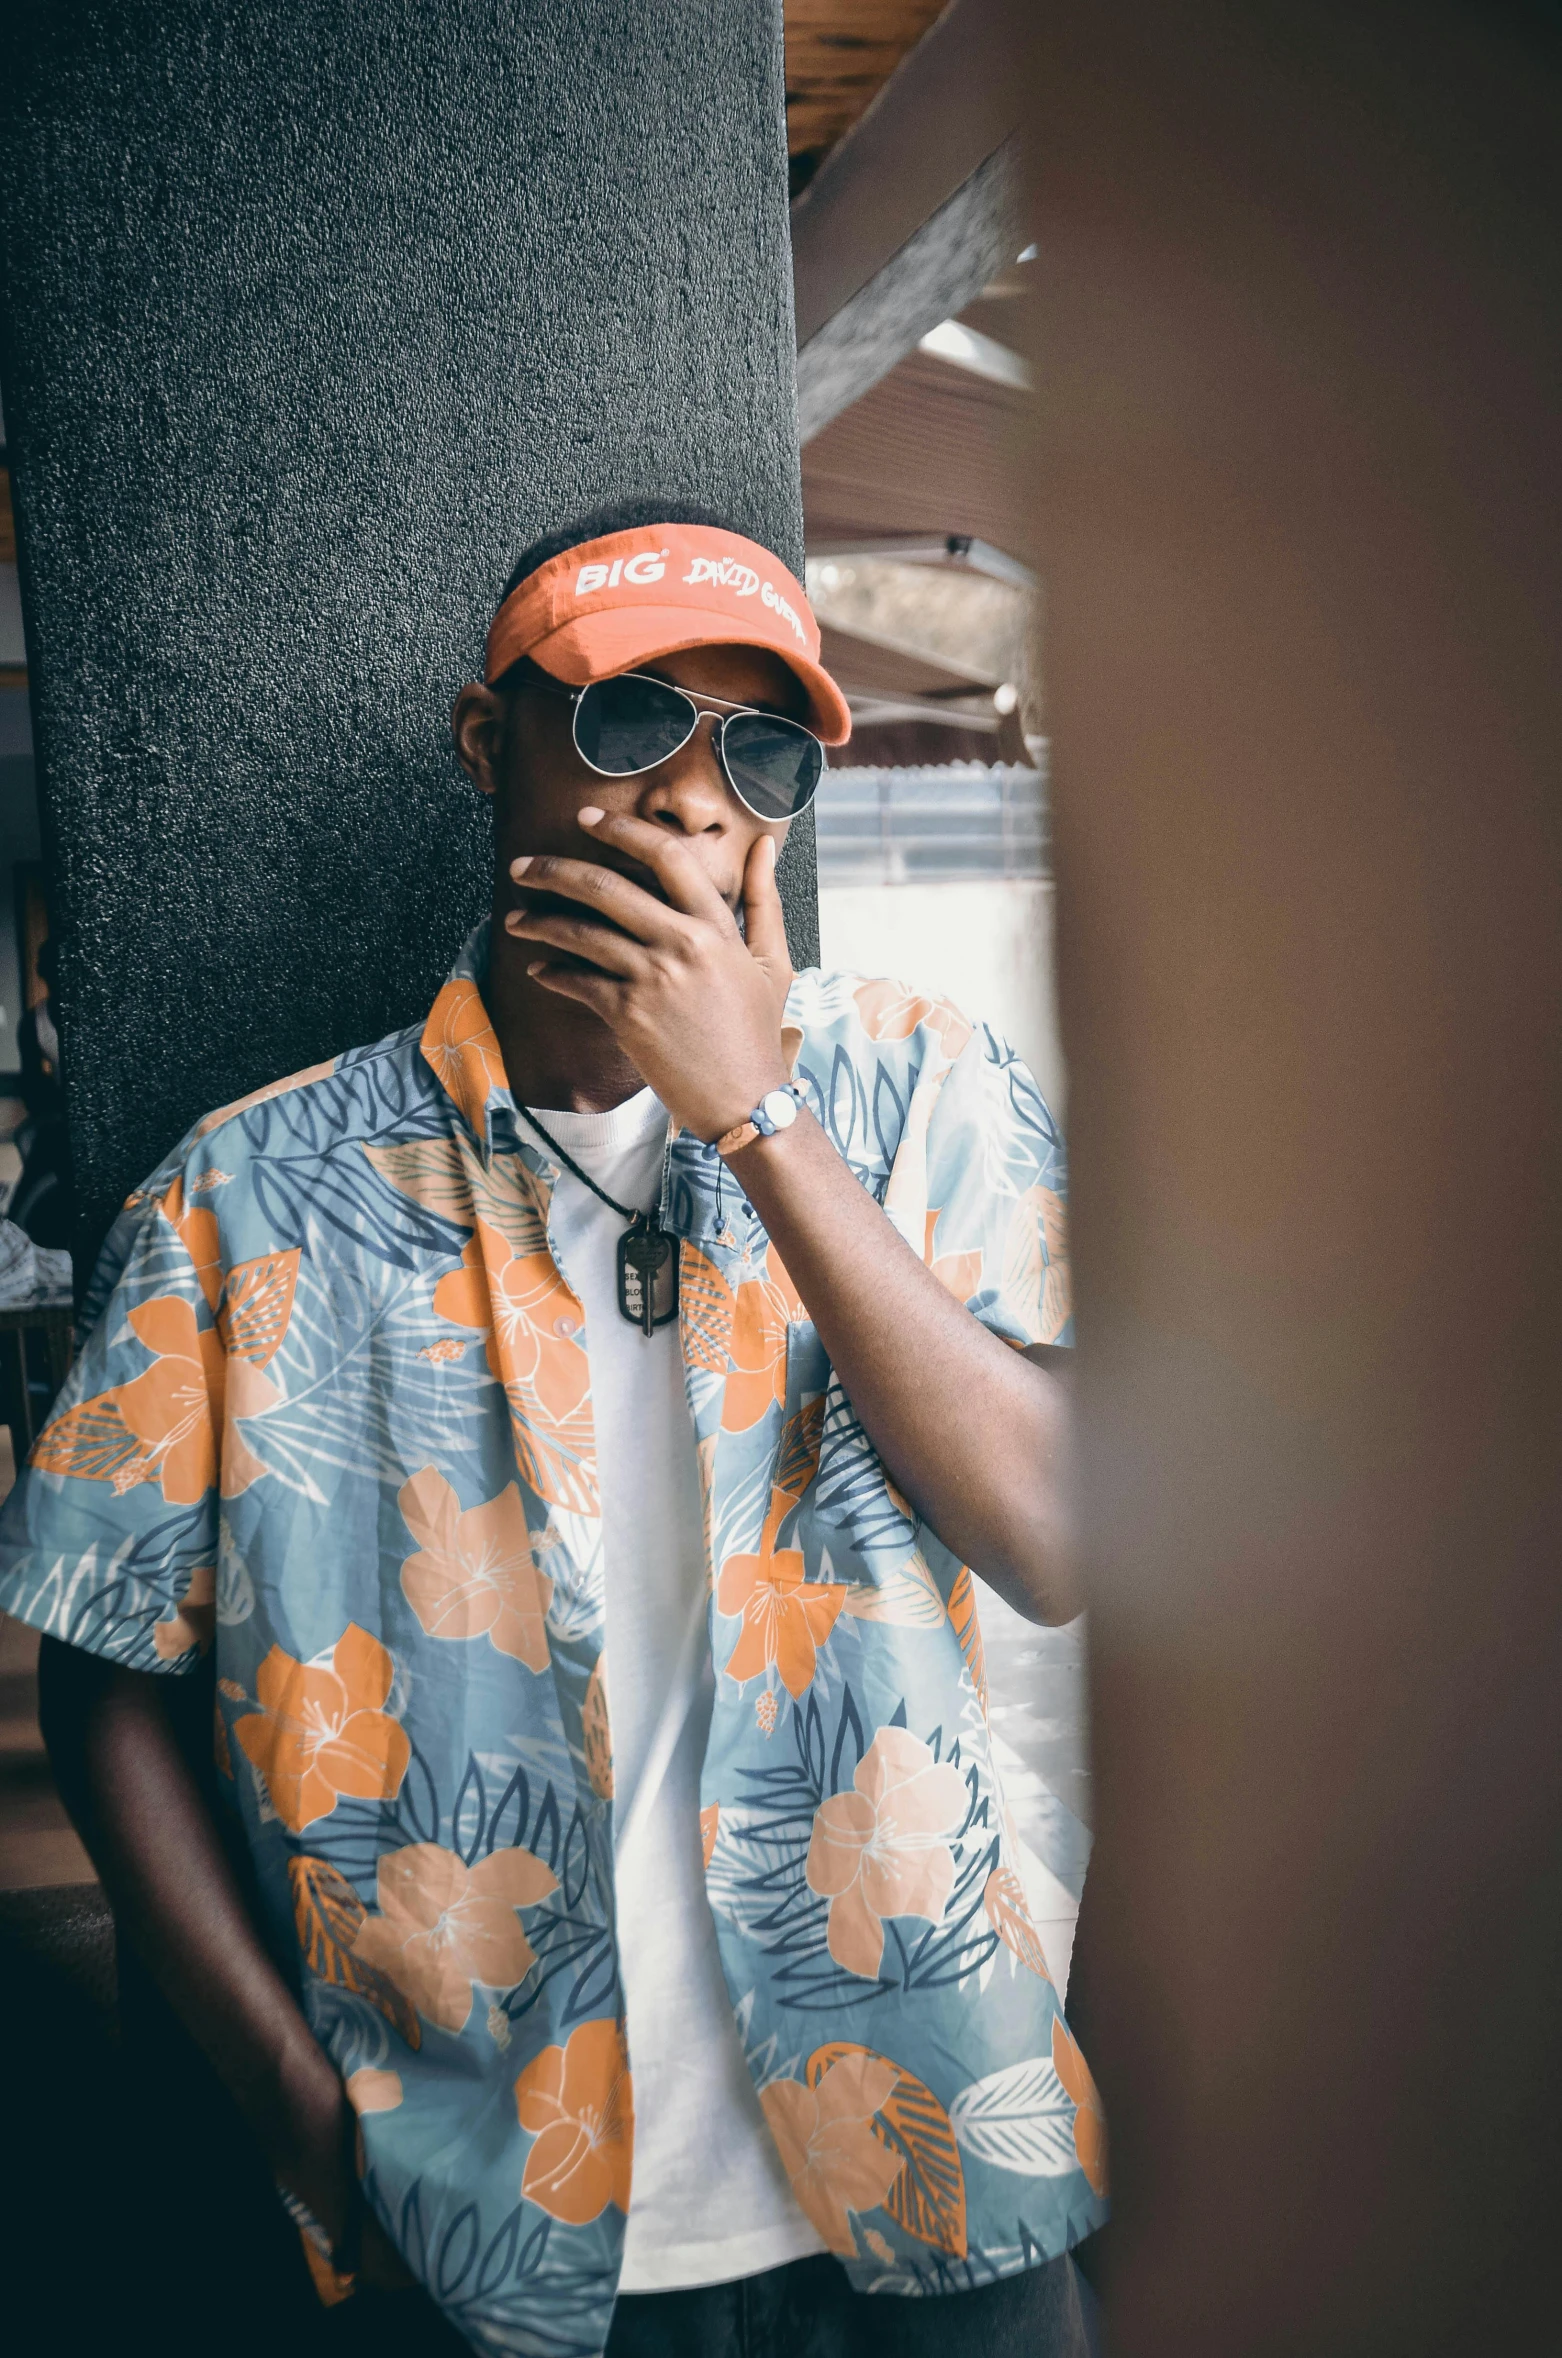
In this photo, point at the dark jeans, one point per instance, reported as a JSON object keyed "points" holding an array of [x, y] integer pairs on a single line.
{"points": [[806, 2310]]}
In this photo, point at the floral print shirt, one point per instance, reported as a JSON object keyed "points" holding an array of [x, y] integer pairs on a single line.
{"points": [[332, 1414]]}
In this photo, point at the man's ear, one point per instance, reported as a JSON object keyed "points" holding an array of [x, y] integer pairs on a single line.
{"points": [[477, 725]]}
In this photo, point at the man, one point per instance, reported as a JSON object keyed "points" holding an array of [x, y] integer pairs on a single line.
{"points": [[647, 1342]]}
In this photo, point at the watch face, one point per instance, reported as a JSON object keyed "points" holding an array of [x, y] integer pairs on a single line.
{"points": [[780, 1108]]}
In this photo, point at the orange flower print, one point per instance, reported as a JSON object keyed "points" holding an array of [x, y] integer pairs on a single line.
{"points": [[710, 1827], [369, 2090], [443, 1926], [577, 2102], [905, 1196], [763, 1309], [321, 1731], [889, 1011], [825, 2138], [596, 1732], [459, 1043], [883, 1849], [1089, 2119], [330, 2288], [533, 1323], [966, 1624], [474, 1574], [462, 1295], [258, 1306], [253, 1322], [444, 1353], [1008, 1912], [1036, 1290], [175, 1408], [705, 1311], [786, 1619], [196, 1228], [177, 1422], [250, 1392], [282, 1088], [959, 1273]]}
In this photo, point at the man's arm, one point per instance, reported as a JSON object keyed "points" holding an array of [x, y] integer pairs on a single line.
{"points": [[975, 1434], [140, 1811]]}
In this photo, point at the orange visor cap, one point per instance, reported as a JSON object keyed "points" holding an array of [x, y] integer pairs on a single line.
{"points": [[613, 604]]}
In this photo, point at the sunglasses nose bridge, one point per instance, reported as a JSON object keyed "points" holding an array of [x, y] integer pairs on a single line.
{"points": [[692, 781], [697, 720]]}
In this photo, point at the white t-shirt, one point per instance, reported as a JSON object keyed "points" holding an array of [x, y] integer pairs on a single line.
{"points": [[698, 2126]]}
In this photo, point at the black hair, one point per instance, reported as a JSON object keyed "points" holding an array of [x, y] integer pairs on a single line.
{"points": [[627, 515]]}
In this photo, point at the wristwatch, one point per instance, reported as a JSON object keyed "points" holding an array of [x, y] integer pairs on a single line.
{"points": [[776, 1110]]}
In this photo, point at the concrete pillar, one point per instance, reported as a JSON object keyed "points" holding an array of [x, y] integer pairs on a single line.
{"points": [[313, 319]]}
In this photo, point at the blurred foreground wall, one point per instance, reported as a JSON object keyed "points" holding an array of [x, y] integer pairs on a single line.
{"points": [[1297, 477], [312, 319]]}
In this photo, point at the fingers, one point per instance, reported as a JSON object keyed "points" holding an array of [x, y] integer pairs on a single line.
{"points": [[674, 866], [629, 906], [604, 946], [764, 923], [599, 992]]}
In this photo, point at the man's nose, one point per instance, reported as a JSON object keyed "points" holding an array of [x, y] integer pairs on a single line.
{"points": [[689, 790]]}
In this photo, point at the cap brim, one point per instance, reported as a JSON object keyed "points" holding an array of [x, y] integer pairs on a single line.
{"points": [[601, 645]]}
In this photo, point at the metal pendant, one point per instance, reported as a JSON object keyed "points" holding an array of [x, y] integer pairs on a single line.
{"points": [[647, 1274]]}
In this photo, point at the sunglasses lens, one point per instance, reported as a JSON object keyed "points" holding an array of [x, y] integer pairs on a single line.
{"points": [[626, 725], [774, 764]]}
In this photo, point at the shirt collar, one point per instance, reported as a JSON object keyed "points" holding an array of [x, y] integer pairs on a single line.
{"points": [[460, 1048]]}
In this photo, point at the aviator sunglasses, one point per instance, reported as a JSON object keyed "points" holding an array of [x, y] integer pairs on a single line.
{"points": [[633, 722]]}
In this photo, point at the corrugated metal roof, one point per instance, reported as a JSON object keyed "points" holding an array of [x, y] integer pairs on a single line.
{"points": [[947, 822], [924, 451]]}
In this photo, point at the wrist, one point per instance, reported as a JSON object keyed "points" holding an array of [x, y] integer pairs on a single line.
{"points": [[771, 1115]]}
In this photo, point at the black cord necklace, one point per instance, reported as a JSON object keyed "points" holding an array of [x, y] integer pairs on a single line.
{"points": [[647, 1263]]}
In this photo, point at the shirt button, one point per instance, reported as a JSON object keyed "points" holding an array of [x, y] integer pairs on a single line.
{"points": [[565, 1327]]}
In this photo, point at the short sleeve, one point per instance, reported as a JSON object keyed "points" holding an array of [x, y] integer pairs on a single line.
{"points": [[109, 1540], [996, 1188]]}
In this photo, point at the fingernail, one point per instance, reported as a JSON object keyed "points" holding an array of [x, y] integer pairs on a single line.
{"points": [[537, 966], [514, 920], [520, 866], [770, 839], [591, 816]]}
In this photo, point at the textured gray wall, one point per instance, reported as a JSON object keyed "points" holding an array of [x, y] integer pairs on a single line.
{"points": [[314, 316]]}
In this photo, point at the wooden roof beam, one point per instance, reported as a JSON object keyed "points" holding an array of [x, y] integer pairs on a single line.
{"points": [[949, 105], [913, 213], [934, 275]]}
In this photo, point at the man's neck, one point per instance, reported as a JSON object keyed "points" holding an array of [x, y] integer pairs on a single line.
{"points": [[556, 1052]]}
